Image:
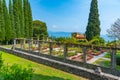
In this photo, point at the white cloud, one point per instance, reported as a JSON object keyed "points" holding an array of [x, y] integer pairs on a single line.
{"points": [[55, 27]]}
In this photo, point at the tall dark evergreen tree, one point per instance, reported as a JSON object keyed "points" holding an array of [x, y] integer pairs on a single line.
{"points": [[8, 29], [30, 21], [16, 18], [26, 20], [93, 27], [21, 17], [12, 19], [2, 24]]}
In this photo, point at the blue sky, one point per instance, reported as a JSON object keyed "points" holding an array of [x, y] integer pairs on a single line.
{"points": [[72, 15]]}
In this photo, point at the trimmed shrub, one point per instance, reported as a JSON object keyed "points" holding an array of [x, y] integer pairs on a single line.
{"points": [[14, 72]]}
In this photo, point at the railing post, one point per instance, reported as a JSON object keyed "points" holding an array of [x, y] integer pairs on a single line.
{"points": [[65, 51], [39, 46], [51, 48], [113, 58], [84, 54], [14, 44], [21, 43], [30, 44]]}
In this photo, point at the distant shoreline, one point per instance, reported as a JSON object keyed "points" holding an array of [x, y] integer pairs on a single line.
{"points": [[68, 34]]}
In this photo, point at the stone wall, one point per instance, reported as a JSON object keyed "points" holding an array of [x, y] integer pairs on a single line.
{"points": [[67, 68], [86, 65]]}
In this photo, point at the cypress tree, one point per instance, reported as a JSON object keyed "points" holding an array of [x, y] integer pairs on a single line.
{"points": [[8, 29], [12, 19], [93, 27], [2, 24], [30, 21], [26, 20], [16, 18], [21, 17]]}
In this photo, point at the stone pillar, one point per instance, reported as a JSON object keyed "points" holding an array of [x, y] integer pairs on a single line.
{"points": [[14, 45], [39, 47], [30, 44], [24, 43], [113, 58], [51, 48], [65, 51], [21, 43], [84, 54]]}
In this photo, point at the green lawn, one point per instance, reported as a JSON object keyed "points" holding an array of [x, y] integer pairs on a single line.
{"points": [[41, 72], [107, 55], [105, 63]]}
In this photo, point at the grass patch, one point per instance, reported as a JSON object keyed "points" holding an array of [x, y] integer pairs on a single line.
{"points": [[105, 63], [107, 55], [41, 72], [7, 46]]}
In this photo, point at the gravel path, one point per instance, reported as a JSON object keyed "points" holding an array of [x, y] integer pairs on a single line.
{"points": [[97, 57]]}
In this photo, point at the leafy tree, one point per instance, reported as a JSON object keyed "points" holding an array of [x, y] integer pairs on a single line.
{"points": [[8, 29], [2, 24], [30, 20], [12, 19], [114, 31], [93, 27], [97, 40], [16, 18], [39, 29], [21, 17], [74, 34], [26, 20]]}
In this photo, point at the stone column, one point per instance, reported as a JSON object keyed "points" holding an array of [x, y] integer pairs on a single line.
{"points": [[84, 54], [113, 58], [30, 44], [21, 43], [14, 45], [39, 47], [65, 51], [51, 48]]}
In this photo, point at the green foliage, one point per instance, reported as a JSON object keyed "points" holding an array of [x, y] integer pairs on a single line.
{"points": [[65, 40], [8, 29], [107, 55], [1, 61], [16, 18], [12, 19], [14, 72], [69, 40], [30, 20], [93, 27], [74, 34], [41, 72], [40, 29], [27, 19], [97, 40], [21, 18], [82, 41], [2, 23], [113, 43], [71, 54], [118, 60]]}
